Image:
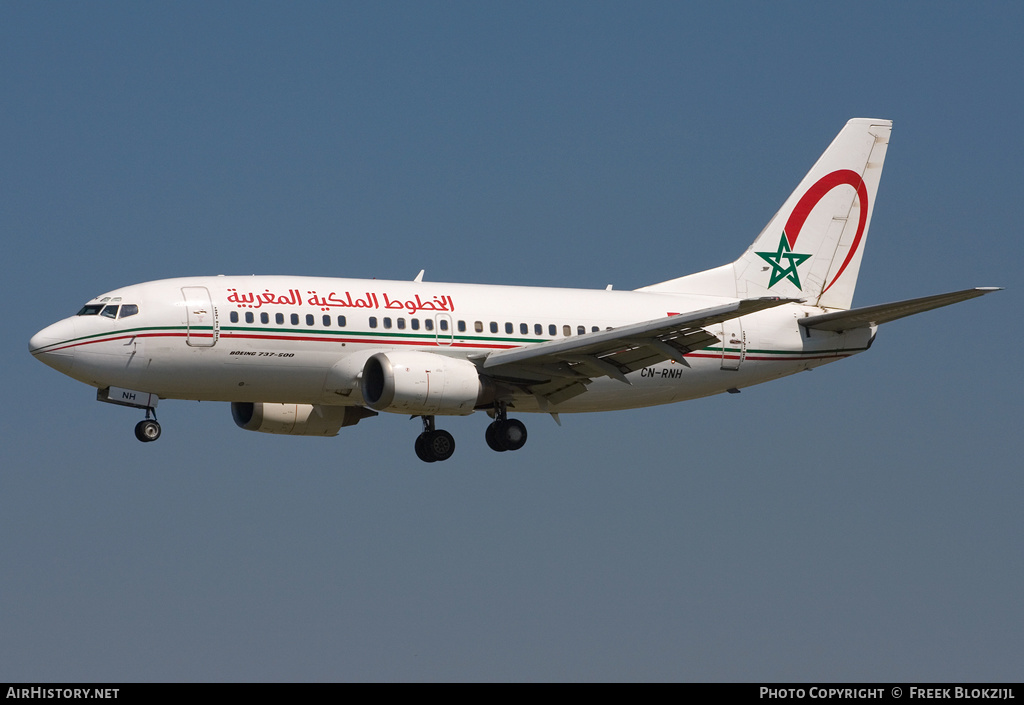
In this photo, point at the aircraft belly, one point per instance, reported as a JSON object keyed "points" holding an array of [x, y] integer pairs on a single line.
{"points": [[216, 374], [670, 382], [271, 382], [663, 383]]}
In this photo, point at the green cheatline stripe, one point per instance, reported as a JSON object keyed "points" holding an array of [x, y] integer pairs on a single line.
{"points": [[421, 336], [126, 331], [301, 331]]}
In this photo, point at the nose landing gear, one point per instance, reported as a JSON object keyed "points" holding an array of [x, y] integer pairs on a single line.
{"points": [[148, 430]]}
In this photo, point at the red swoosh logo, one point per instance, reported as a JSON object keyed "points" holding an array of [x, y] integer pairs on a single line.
{"points": [[810, 199]]}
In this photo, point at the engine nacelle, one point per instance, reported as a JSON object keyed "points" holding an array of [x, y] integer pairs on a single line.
{"points": [[296, 419], [423, 383]]}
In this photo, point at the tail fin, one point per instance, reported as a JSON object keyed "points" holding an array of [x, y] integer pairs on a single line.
{"points": [[813, 246]]}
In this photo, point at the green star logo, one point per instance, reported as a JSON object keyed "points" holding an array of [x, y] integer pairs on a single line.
{"points": [[780, 272]]}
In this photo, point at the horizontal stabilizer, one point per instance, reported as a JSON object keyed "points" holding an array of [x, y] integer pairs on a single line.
{"points": [[883, 313]]}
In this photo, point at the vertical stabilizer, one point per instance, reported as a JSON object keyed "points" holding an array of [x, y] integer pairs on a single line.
{"points": [[813, 246]]}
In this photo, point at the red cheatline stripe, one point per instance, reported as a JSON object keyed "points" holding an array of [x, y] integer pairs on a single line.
{"points": [[777, 357], [773, 357], [281, 337], [110, 340]]}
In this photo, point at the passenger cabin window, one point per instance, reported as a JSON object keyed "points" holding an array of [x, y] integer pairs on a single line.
{"points": [[264, 317], [309, 319], [234, 316], [478, 327], [401, 324], [494, 327], [373, 321], [414, 323], [538, 329], [443, 323], [249, 318], [462, 326], [327, 321], [523, 328], [279, 318], [580, 330], [428, 324], [508, 327], [387, 322], [295, 319], [566, 331], [552, 329], [341, 321]]}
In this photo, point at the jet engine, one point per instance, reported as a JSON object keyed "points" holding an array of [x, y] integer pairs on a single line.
{"points": [[296, 419], [422, 383]]}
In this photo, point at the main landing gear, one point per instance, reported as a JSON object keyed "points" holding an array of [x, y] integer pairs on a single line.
{"points": [[433, 445], [502, 434], [505, 433], [148, 430]]}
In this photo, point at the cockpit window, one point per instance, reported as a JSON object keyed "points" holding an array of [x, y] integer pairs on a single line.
{"points": [[129, 310], [109, 311], [90, 310]]}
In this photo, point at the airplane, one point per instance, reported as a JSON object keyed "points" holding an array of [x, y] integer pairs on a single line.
{"points": [[309, 356]]}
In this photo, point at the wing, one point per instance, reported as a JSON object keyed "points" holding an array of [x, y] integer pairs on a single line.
{"points": [[561, 369], [883, 313]]}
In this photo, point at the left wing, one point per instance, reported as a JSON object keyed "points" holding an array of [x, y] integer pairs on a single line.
{"points": [[560, 369]]}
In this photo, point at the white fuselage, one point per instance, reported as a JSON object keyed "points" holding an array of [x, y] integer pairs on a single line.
{"points": [[304, 339], [310, 356]]}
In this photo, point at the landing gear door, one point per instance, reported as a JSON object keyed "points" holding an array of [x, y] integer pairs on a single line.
{"points": [[201, 328]]}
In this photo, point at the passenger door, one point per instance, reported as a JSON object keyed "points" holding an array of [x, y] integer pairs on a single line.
{"points": [[201, 327]]}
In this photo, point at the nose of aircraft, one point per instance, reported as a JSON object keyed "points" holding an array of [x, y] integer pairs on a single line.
{"points": [[53, 345]]}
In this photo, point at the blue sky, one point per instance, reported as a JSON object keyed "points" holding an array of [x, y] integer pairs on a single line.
{"points": [[861, 522]]}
